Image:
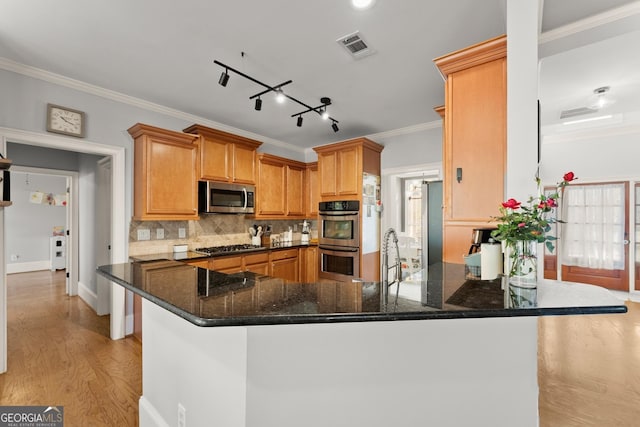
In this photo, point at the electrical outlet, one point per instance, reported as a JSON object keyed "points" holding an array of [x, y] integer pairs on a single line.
{"points": [[182, 416], [182, 233], [14, 257], [144, 234], [159, 233]]}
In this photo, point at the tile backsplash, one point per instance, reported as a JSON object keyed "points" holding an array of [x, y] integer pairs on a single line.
{"points": [[210, 230]]}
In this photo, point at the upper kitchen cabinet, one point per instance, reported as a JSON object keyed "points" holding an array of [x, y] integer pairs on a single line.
{"points": [[281, 188], [474, 135], [225, 157], [312, 190], [341, 167], [165, 174]]}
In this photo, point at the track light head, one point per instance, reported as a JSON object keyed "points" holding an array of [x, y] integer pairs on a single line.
{"points": [[258, 104], [280, 96], [224, 78], [334, 126], [325, 114], [299, 121]]}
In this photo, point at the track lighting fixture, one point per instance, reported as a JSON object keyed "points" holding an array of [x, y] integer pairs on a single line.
{"points": [[224, 78], [280, 96]]}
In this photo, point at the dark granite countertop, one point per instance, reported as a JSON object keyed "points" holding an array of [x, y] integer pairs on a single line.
{"points": [[209, 298]]}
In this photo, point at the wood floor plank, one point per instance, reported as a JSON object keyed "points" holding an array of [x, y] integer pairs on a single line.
{"points": [[589, 370], [60, 353]]}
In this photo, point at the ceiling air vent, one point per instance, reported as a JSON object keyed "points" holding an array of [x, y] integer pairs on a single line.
{"points": [[355, 45], [565, 114]]}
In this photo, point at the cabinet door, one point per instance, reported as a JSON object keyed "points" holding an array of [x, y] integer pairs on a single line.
{"points": [[215, 159], [476, 140], [327, 172], [309, 264], [271, 190], [349, 175], [244, 164], [313, 193], [171, 189], [231, 264], [257, 263], [295, 201], [284, 264]]}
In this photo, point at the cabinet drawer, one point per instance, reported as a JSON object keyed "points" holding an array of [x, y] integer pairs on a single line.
{"points": [[284, 254], [256, 258], [226, 262]]}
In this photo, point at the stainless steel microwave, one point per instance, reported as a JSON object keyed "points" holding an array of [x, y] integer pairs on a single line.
{"points": [[218, 197]]}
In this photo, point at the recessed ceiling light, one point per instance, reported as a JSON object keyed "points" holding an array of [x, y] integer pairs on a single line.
{"points": [[362, 4]]}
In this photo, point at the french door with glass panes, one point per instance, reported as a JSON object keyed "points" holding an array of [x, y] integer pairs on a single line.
{"points": [[595, 236]]}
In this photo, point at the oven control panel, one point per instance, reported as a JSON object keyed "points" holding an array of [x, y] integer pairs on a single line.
{"points": [[339, 206]]}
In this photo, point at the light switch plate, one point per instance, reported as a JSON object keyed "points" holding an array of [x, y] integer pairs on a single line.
{"points": [[182, 233], [144, 234]]}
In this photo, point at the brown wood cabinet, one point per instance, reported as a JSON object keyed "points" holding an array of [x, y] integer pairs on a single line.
{"points": [[309, 264], [165, 174], [225, 157], [474, 147], [312, 190], [341, 167], [285, 264], [281, 188], [257, 263], [227, 264]]}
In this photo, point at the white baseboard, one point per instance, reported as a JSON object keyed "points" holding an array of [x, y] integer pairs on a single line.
{"points": [[25, 267], [148, 416], [88, 296], [627, 296]]}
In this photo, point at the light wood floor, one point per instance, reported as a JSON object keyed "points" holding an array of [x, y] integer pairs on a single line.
{"points": [[589, 370], [60, 354]]}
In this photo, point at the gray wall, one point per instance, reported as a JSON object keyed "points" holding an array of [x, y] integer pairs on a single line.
{"points": [[29, 226]]}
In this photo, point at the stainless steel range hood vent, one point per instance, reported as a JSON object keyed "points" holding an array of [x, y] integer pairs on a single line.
{"points": [[355, 45]]}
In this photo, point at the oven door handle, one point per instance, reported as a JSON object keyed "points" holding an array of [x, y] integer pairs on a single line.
{"points": [[338, 248], [338, 213]]}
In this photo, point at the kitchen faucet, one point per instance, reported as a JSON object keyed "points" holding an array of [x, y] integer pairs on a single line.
{"points": [[384, 274]]}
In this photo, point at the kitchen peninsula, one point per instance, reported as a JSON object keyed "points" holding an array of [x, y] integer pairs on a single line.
{"points": [[250, 350]]}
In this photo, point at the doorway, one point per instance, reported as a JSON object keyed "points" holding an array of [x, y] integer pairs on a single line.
{"points": [[118, 223], [32, 218]]}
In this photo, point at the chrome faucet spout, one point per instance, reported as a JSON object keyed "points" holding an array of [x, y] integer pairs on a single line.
{"points": [[385, 267]]}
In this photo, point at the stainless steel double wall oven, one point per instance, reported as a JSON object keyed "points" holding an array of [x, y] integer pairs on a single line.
{"points": [[339, 240]]}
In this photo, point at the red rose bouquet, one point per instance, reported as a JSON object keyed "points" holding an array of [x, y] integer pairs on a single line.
{"points": [[519, 222]]}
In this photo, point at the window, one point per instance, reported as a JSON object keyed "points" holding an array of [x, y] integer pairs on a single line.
{"points": [[594, 233]]}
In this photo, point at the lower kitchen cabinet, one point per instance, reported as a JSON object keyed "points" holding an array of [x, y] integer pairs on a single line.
{"points": [[227, 264], [285, 264], [257, 263], [309, 264]]}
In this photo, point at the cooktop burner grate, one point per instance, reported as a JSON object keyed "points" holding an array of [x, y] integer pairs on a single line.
{"points": [[244, 247]]}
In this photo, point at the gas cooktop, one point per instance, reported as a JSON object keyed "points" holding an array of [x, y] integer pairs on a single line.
{"points": [[245, 247]]}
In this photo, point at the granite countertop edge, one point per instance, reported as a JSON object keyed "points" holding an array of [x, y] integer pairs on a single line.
{"points": [[282, 319]]}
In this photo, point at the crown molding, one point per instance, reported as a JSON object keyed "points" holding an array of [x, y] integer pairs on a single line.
{"points": [[406, 130], [60, 80], [590, 22]]}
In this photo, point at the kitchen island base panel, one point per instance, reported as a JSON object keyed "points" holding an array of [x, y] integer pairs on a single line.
{"points": [[402, 373]]}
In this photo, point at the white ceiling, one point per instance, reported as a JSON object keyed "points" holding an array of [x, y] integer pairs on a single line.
{"points": [[163, 51]]}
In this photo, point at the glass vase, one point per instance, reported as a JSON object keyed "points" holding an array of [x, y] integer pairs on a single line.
{"points": [[523, 263]]}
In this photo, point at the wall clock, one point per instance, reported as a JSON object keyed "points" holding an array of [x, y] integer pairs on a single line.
{"points": [[65, 120]]}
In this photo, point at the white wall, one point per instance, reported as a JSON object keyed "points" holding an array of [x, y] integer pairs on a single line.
{"points": [[29, 226]]}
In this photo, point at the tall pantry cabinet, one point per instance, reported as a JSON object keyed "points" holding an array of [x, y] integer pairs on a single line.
{"points": [[474, 141]]}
